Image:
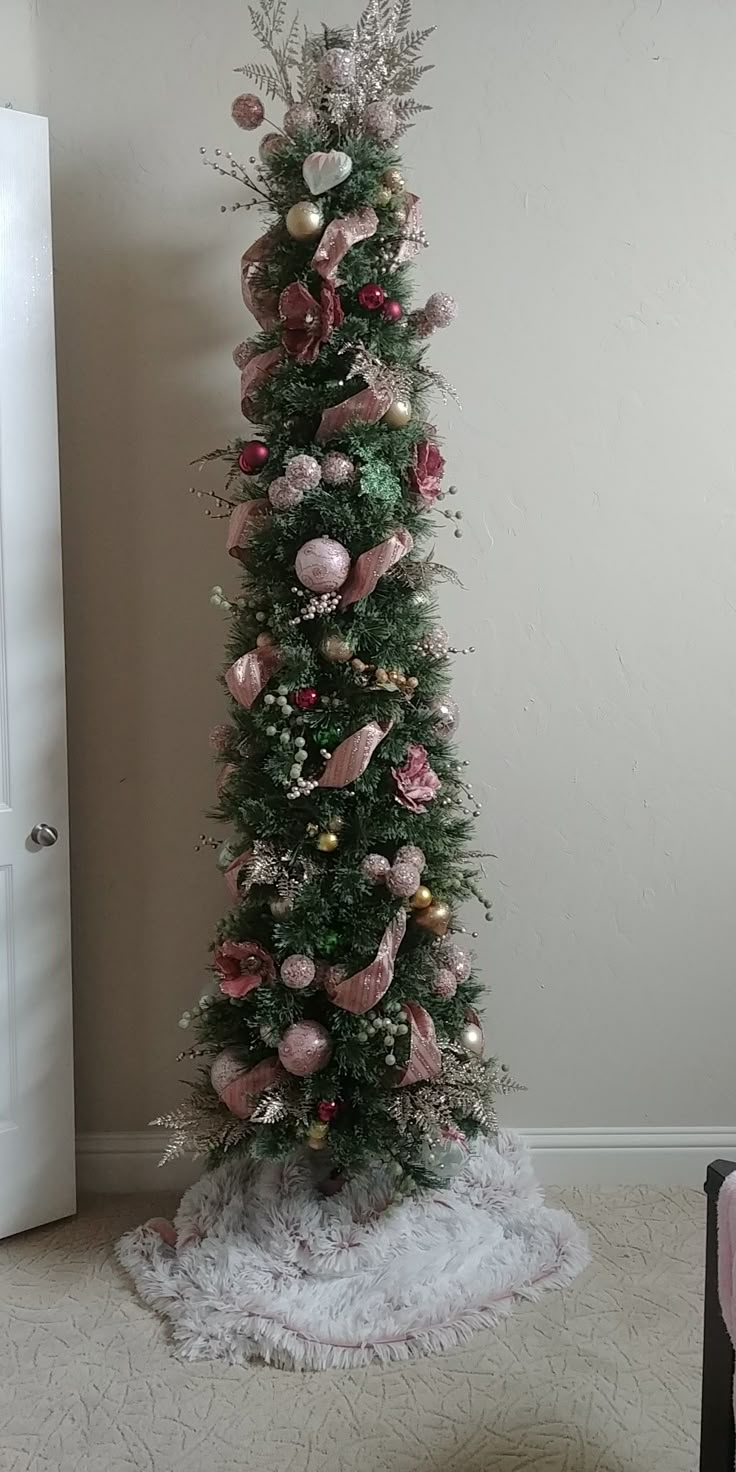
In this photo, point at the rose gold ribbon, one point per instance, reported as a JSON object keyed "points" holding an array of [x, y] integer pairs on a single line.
{"points": [[371, 565], [350, 759], [360, 992], [243, 521], [339, 237], [259, 300], [253, 376], [411, 242], [241, 1096], [230, 874], [366, 407], [424, 1055], [246, 678]]}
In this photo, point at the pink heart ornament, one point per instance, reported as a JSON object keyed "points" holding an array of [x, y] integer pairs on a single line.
{"points": [[323, 171]]}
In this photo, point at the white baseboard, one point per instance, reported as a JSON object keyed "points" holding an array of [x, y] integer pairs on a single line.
{"points": [[675, 1156]]}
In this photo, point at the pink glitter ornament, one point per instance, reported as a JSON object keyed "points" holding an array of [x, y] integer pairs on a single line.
{"points": [[305, 1048], [444, 984], [270, 145], [379, 121], [300, 118], [374, 868], [248, 111], [337, 67], [440, 310], [284, 497], [337, 469], [446, 716], [403, 880], [219, 738], [410, 854], [456, 960], [322, 565], [302, 472], [297, 972]]}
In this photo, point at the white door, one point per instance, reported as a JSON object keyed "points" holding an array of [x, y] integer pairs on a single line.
{"points": [[36, 1094]]}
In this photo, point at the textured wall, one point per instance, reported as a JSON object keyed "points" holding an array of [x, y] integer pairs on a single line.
{"points": [[578, 174]]}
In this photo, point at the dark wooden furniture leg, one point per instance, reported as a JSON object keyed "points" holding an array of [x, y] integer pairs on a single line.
{"points": [[717, 1441]]}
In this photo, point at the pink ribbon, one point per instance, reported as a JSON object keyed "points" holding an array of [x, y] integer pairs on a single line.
{"points": [[253, 376], [339, 237], [241, 1096], [243, 521], [410, 244], [424, 1055], [371, 565], [360, 992], [246, 678], [233, 870], [350, 759], [366, 407], [259, 300]]}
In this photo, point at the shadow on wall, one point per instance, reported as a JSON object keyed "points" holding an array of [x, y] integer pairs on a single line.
{"points": [[143, 381]]}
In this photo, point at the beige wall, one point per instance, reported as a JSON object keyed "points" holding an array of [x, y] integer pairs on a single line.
{"points": [[577, 171]]}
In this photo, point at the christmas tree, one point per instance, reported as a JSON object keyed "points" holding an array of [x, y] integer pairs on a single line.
{"points": [[342, 1015]]}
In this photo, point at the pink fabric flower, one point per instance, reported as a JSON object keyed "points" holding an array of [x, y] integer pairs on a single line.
{"points": [[308, 323], [416, 782], [427, 470], [242, 965]]}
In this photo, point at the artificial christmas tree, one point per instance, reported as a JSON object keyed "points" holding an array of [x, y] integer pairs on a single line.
{"points": [[344, 1008]]}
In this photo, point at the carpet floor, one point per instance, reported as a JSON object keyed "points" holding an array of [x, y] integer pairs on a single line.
{"points": [[603, 1377]]}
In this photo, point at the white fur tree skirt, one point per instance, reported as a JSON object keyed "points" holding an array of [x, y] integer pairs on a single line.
{"points": [[265, 1267]]}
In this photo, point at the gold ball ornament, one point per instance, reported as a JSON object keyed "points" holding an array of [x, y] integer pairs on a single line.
{"points": [[421, 898], [317, 1135], [304, 220], [336, 649], [382, 196], [471, 1038], [435, 918], [393, 180], [327, 842], [398, 414]]}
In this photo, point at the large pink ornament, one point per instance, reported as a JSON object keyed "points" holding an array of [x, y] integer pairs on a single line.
{"points": [[350, 759], [239, 1087], [373, 564], [282, 496], [337, 469], [322, 565], [456, 960], [425, 1060], [441, 309], [244, 519], [297, 972], [445, 983], [410, 854], [303, 472], [358, 993], [246, 678], [403, 879], [305, 1048], [340, 236], [248, 111]]}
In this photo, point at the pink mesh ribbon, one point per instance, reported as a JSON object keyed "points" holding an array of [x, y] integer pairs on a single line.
{"points": [[243, 521], [360, 992], [411, 242], [241, 1096], [259, 300], [252, 377], [233, 870], [350, 759], [246, 678], [424, 1054], [366, 407], [371, 565], [339, 237]]}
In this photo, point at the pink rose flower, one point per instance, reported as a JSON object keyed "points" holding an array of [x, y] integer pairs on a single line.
{"points": [[426, 471], [308, 323], [416, 782], [242, 965]]}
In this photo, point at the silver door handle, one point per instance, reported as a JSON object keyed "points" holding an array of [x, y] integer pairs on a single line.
{"points": [[44, 835]]}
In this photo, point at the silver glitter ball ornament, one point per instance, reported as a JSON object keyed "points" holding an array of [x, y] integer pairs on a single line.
{"points": [[403, 880], [374, 868], [297, 972], [283, 496], [456, 959], [379, 121], [337, 67], [436, 643], [441, 309], [446, 716], [302, 472], [410, 854], [337, 469], [445, 983], [299, 118]]}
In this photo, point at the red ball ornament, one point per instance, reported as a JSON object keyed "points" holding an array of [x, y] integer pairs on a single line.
{"points": [[327, 1109], [253, 456], [304, 699], [392, 311], [371, 296]]}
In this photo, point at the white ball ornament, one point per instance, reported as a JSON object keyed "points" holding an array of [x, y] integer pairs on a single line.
{"points": [[302, 472], [283, 496], [398, 414], [322, 565]]}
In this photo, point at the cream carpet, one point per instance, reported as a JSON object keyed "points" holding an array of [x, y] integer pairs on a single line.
{"points": [[603, 1377]]}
